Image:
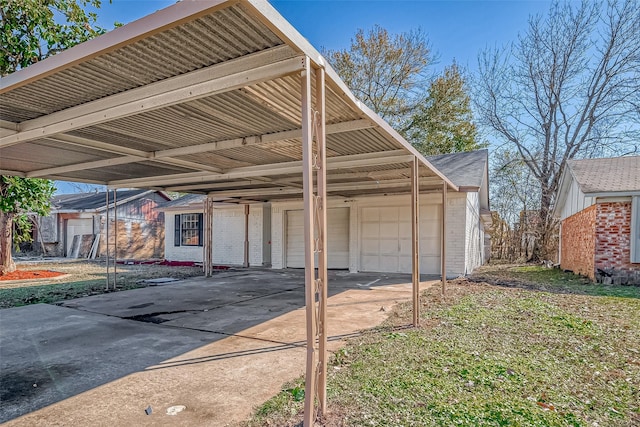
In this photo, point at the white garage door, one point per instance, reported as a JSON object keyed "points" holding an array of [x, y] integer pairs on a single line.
{"points": [[337, 239], [77, 227], [385, 239]]}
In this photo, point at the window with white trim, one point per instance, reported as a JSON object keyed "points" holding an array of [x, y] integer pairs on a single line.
{"points": [[188, 230]]}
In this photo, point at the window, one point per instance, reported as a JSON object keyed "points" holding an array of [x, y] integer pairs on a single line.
{"points": [[188, 230], [635, 229]]}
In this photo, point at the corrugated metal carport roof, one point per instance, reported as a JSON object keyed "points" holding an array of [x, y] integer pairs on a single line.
{"points": [[200, 97]]}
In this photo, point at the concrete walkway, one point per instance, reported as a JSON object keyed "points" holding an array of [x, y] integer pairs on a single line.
{"points": [[218, 346]]}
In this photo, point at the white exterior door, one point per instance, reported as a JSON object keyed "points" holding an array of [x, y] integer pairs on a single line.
{"points": [[385, 239], [337, 239]]}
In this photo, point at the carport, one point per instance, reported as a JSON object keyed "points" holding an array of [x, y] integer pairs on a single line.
{"points": [[223, 98]]}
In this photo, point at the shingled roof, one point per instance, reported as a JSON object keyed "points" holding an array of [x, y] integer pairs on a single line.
{"points": [[466, 169], [189, 200], [92, 201], [615, 175]]}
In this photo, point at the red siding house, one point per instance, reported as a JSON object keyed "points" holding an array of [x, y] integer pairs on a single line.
{"points": [[75, 217], [598, 204]]}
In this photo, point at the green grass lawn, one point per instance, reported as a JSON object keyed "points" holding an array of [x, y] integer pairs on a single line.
{"points": [[52, 293], [84, 278], [558, 352]]}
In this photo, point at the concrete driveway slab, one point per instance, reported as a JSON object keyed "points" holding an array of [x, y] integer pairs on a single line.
{"points": [[49, 353], [219, 346]]}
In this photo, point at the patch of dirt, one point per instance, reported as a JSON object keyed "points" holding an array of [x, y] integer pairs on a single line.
{"points": [[30, 275]]}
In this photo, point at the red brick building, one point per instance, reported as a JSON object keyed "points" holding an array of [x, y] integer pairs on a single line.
{"points": [[598, 204]]}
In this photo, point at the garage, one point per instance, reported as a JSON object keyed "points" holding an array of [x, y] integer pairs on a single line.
{"points": [[385, 239], [337, 238], [77, 227]]}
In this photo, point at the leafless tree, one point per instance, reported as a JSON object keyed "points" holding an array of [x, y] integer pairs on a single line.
{"points": [[568, 88], [515, 196]]}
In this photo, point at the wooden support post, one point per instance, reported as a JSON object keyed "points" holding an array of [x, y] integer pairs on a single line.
{"points": [[321, 225], [115, 237], [415, 239], [245, 264], [107, 236], [309, 239], [443, 249], [210, 236], [205, 243], [314, 160], [207, 247]]}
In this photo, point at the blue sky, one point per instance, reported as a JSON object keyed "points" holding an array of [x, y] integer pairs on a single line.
{"points": [[456, 29]]}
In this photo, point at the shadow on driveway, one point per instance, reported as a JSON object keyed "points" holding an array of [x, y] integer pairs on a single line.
{"points": [[49, 353]]}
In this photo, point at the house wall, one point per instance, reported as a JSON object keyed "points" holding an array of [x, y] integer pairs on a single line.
{"points": [[179, 253], [613, 244], [578, 242], [474, 235], [575, 201], [465, 235], [456, 234], [54, 232], [137, 239], [140, 231], [459, 246], [228, 236]]}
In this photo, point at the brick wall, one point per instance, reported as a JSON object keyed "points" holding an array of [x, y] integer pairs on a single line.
{"points": [[578, 242], [613, 244]]}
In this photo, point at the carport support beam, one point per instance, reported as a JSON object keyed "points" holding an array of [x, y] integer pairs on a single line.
{"points": [[207, 246], [415, 239], [245, 264], [314, 220], [106, 225], [115, 236], [443, 249], [321, 207]]}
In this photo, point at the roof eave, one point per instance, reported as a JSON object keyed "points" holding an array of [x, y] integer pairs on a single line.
{"points": [[604, 194], [165, 18], [280, 26]]}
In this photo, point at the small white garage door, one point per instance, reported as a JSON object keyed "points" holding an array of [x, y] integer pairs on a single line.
{"points": [[77, 227], [337, 239], [385, 239]]}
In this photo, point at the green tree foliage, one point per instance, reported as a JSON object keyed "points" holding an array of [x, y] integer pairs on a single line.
{"points": [[386, 72], [20, 197], [35, 29], [443, 123], [31, 31], [390, 74]]}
